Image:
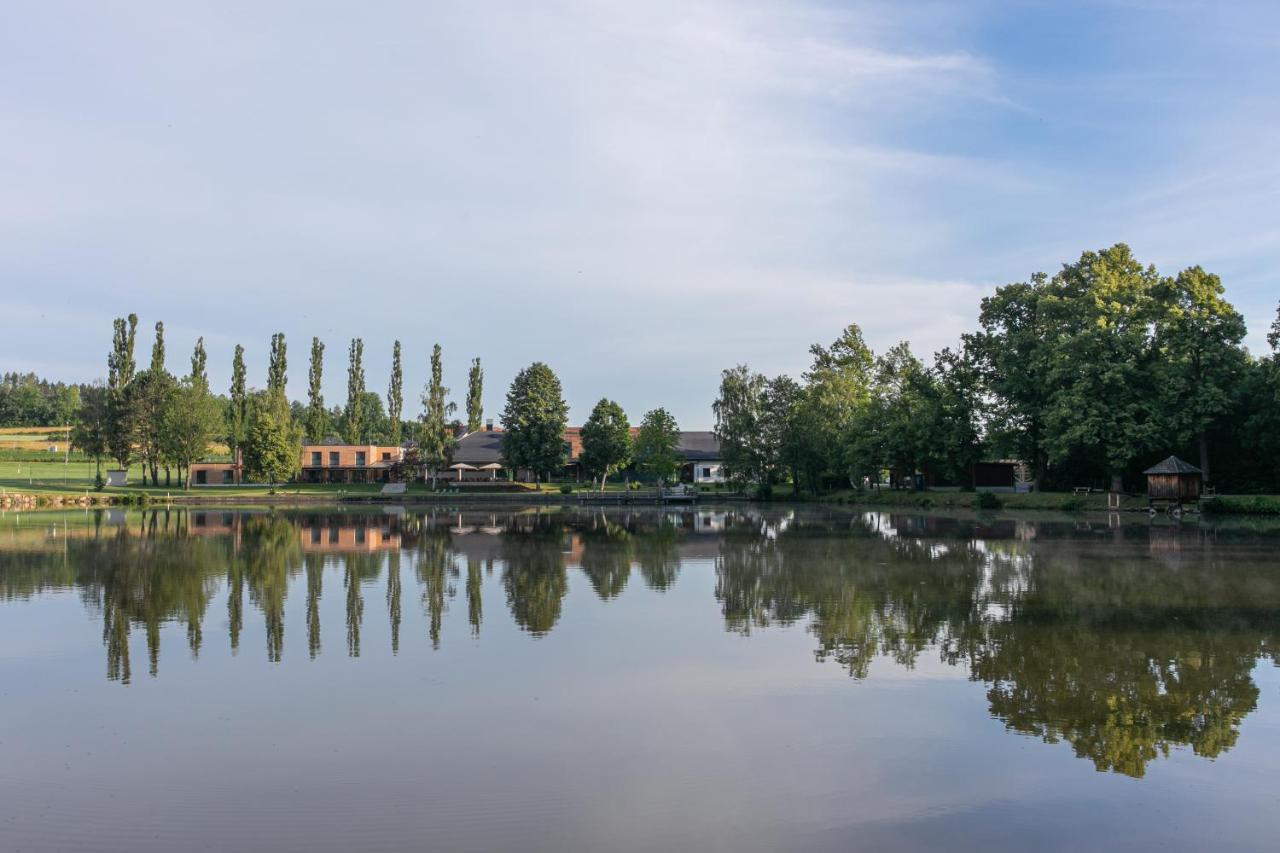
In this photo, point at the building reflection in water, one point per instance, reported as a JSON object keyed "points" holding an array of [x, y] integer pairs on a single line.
{"points": [[1123, 641]]}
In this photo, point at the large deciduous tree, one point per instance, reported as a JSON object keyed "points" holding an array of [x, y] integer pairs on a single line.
{"points": [[273, 440], [190, 423], [149, 398], [740, 414], [1200, 362], [90, 431], [606, 441], [533, 422], [656, 447]]}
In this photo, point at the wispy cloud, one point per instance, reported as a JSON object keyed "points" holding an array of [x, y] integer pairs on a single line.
{"points": [[640, 194]]}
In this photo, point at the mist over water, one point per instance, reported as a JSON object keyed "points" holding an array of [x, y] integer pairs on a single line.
{"points": [[575, 679]]}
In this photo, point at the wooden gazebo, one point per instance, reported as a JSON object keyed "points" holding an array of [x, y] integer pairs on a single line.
{"points": [[1173, 482]]}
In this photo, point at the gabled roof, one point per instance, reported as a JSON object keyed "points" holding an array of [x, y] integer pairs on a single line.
{"points": [[1173, 465], [479, 448], [698, 446]]}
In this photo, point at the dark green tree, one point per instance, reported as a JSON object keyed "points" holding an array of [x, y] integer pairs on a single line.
{"points": [[120, 369], [89, 433], [435, 440], [149, 398], [278, 366], [199, 375], [271, 448], [656, 446], [192, 420], [475, 396], [395, 395], [533, 422], [157, 350], [748, 455], [606, 441], [238, 407], [1201, 359], [354, 429], [317, 418]]}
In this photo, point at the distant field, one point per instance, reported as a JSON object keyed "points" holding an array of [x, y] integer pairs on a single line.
{"points": [[34, 438]]}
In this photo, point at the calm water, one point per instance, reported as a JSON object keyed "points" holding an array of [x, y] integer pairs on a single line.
{"points": [[572, 680]]}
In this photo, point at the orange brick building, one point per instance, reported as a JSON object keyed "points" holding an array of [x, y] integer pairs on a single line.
{"points": [[332, 461]]}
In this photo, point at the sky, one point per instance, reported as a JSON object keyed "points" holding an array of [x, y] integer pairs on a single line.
{"points": [[638, 194]]}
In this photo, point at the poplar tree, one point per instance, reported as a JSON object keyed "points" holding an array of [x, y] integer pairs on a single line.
{"points": [[395, 394], [238, 413], [436, 441], [198, 374], [120, 370], [277, 374], [475, 391], [120, 364], [317, 417], [157, 350], [355, 391]]}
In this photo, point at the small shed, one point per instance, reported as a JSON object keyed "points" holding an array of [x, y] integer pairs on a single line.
{"points": [[1173, 481]]}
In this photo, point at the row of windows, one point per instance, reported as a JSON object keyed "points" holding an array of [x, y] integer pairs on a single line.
{"points": [[334, 458]]}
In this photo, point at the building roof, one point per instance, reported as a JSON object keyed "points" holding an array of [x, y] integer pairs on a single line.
{"points": [[479, 448], [1173, 465], [698, 446]]}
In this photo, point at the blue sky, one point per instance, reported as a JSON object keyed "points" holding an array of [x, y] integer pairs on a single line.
{"points": [[639, 194]]}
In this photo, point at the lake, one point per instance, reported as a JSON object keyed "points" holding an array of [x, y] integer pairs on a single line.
{"points": [[548, 679]]}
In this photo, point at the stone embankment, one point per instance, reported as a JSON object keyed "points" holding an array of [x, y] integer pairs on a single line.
{"points": [[11, 500]]}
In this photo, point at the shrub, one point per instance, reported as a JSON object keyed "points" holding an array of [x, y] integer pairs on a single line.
{"points": [[566, 489], [98, 482], [988, 500]]}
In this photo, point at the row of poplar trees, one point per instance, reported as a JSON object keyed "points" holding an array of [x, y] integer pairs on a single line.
{"points": [[1088, 376], [163, 423]]}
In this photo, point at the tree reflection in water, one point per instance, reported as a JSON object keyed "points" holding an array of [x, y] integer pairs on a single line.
{"points": [[1123, 642]]}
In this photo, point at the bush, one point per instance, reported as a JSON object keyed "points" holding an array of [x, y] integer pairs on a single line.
{"points": [[566, 489], [99, 483], [988, 500]]}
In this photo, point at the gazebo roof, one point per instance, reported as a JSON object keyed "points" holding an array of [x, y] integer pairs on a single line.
{"points": [[1173, 465]]}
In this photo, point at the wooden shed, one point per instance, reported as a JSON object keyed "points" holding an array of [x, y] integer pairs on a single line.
{"points": [[1173, 481]]}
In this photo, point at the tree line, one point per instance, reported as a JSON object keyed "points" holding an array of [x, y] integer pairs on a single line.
{"points": [[164, 423], [1088, 376], [26, 400]]}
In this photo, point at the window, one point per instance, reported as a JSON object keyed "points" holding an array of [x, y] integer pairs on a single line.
{"points": [[315, 535], [333, 459], [315, 459], [360, 458], [386, 457], [202, 477], [359, 535], [227, 478], [706, 472]]}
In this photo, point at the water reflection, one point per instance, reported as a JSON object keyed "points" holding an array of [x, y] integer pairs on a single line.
{"points": [[1121, 640]]}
